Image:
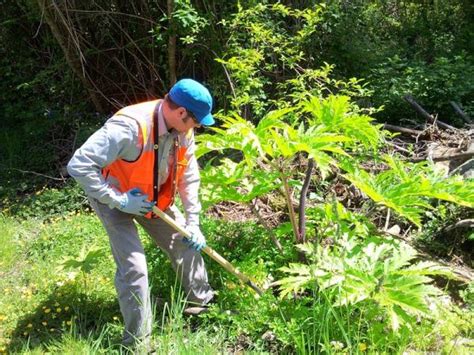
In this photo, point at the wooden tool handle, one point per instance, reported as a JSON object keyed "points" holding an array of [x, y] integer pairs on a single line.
{"points": [[209, 251]]}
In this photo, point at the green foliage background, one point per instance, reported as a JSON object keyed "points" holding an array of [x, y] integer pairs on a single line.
{"points": [[422, 48], [289, 78]]}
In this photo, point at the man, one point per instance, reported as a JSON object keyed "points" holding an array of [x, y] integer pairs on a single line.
{"points": [[140, 158]]}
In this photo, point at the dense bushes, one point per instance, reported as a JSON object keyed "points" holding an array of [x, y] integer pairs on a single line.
{"points": [[434, 86], [264, 49]]}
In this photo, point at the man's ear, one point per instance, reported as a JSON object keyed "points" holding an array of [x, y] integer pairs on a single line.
{"points": [[182, 112]]}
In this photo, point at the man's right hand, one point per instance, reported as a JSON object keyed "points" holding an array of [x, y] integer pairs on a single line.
{"points": [[135, 202]]}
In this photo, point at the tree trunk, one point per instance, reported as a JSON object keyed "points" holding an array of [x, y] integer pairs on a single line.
{"points": [[65, 42], [171, 43]]}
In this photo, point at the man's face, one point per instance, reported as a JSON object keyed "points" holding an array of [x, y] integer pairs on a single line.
{"points": [[179, 118]]}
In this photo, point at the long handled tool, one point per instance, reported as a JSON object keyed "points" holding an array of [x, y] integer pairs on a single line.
{"points": [[209, 251]]}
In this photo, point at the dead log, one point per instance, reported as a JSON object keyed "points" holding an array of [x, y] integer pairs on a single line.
{"points": [[465, 223], [464, 168], [460, 112], [416, 106], [465, 155], [412, 132]]}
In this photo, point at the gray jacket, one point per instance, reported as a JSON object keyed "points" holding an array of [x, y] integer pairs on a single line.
{"points": [[119, 139]]}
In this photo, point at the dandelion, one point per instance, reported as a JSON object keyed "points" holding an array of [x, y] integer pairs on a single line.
{"points": [[47, 310], [2, 317]]}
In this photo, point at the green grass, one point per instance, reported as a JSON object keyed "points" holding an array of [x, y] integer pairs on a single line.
{"points": [[46, 308]]}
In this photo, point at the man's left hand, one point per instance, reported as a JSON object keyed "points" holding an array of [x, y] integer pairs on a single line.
{"points": [[196, 241]]}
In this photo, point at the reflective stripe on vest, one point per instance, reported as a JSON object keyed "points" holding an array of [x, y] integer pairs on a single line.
{"points": [[142, 172]]}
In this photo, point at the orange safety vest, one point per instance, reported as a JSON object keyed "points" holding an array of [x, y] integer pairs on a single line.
{"points": [[142, 173]]}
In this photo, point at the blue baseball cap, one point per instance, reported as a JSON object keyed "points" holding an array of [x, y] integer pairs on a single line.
{"points": [[194, 97]]}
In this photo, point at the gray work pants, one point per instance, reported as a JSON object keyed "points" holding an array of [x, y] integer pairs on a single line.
{"points": [[131, 278]]}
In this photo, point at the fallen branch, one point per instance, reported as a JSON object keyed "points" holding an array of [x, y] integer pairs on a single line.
{"points": [[397, 147], [463, 168], [460, 112], [425, 114], [399, 129], [465, 155], [465, 223], [37, 174]]}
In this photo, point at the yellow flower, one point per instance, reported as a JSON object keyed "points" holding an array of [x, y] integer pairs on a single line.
{"points": [[58, 310], [52, 329], [30, 325], [68, 322], [362, 347], [115, 318], [66, 308], [44, 323], [2, 317], [47, 310]]}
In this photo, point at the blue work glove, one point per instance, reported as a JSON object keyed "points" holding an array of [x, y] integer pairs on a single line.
{"points": [[196, 241], [135, 202]]}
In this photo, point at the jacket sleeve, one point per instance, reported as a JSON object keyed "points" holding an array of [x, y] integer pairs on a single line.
{"points": [[188, 186], [116, 139]]}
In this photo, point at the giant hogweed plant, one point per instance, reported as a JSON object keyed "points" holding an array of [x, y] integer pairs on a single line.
{"points": [[408, 189], [360, 268], [322, 130], [337, 137]]}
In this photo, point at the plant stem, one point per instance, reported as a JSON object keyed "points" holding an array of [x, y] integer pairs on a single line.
{"points": [[387, 220], [256, 212], [291, 211], [304, 191]]}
